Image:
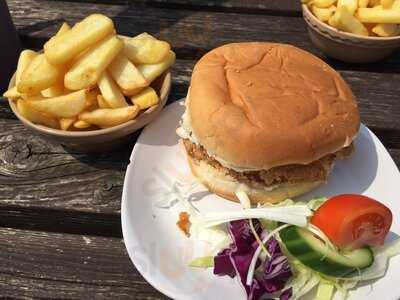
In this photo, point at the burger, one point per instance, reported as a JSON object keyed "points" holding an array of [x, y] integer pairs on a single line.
{"points": [[268, 119]]}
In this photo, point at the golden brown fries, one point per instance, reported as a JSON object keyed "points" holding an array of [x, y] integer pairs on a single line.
{"points": [[324, 3], [35, 116], [361, 17], [91, 98], [39, 75], [146, 98], [88, 69], [89, 77], [110, 91], [107, 117], [80, 124], [132, 92], [386, 4], [125, 74], [63, 29], [65, 106], [145, 49], [323, 14], [54, 91], [58, 88], [370, 15], [25, 58], [101, 102], [66, 123], [12, 94], [363, 3], [151, 72], [386, 29], [351, 5], [32, 97], [344, 20], [84, 34]]}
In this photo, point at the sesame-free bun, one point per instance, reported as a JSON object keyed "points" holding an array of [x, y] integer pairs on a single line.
{"points": [[262, 105], [225, 186]]}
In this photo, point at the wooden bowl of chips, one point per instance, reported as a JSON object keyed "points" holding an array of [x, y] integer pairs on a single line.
{"points": [[98, 140]]}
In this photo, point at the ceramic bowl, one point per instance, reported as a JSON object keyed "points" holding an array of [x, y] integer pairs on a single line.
{"points": [[346, 46]]}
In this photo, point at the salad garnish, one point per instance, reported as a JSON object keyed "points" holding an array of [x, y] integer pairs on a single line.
{"points": [[284, 251]]}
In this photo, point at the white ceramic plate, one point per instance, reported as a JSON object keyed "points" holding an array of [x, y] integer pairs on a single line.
{"points": [[161, 252]]}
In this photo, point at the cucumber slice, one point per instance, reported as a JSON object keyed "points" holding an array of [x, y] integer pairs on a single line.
{"points": [[312, 252]]}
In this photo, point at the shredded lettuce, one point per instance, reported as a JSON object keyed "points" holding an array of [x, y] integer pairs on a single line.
{"points": [[202, 262], [310, 284], [382, 257], [286, 202], [325, 290], [315, 203], [216, 237], [342, 289]]}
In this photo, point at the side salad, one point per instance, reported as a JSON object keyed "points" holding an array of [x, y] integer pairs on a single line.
{"points": [[286, 250]]}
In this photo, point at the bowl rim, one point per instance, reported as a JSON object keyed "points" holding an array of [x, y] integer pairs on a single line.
{"points": [[348, 34], [164, 92]]}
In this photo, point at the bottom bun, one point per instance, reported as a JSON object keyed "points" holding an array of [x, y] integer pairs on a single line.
{"points": [[225, 186]]}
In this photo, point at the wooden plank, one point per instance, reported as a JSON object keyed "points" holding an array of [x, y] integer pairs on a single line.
{"points": [[35, 173], [262, 6], [45, 187], [191, 32], [75, 221], [276, 7], [48, 265], [395, 153]]}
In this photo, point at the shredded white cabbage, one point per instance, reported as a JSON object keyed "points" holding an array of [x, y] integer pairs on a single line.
{"points": [[295, 215], [325, 290], [382, 257], [244, 199], [215, 236], [302, 276], [307, 287]]}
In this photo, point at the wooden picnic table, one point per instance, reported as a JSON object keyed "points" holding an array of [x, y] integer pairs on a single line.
{"points": [[60, 231]]}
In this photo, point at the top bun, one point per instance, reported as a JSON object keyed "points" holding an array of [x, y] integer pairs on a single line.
{"points": [[262, 105]]}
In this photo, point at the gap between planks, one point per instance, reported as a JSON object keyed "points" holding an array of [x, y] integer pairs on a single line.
{"points": [[191, 32], [36, 264], [254, 7]]}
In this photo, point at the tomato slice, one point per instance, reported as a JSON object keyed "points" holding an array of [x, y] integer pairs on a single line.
{"points": [[353, 221]]}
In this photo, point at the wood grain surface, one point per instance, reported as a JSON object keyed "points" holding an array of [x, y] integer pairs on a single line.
{"points": [[191, 32], [269, 7], [60, 234], [65, 266]]}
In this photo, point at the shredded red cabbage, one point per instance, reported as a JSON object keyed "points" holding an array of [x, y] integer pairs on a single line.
{"points": [[276, 269], [223, 265], [271, 275], [286, 294]]}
